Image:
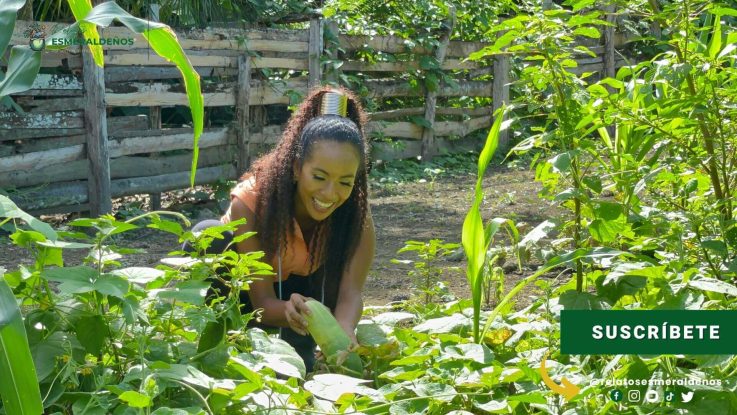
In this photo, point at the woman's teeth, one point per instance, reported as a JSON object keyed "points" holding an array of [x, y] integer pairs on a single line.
{"points": [[322, 205]]}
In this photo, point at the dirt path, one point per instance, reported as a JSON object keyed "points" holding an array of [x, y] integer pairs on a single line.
{"points": [[407, 211]]}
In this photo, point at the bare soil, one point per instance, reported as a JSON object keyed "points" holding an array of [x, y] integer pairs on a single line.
{"points": [[401, 212]]}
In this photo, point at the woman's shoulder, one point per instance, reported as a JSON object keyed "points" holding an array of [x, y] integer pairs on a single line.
{"points": [[243, 199]]}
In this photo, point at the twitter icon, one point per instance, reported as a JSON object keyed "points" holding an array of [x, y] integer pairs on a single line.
{"points": [[686, 396]]}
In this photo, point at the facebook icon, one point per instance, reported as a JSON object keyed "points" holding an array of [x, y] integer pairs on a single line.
{"points": [[616, 395]]}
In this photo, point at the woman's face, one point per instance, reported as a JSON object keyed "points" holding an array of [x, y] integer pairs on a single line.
{"points": [[325, 180]]}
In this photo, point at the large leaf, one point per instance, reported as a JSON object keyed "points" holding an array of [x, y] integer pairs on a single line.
{"points": [[8, 209], [19, 386], [23, 66], [8, 15]]}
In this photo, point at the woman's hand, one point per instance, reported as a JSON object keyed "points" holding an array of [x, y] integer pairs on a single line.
{"points": [[293, 311]]}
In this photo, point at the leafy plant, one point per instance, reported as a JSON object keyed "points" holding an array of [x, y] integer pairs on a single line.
{"points": [[426, 275]]}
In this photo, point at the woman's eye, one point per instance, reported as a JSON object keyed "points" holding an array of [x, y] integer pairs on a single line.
{"points": [[347, 184], [318, 178]]}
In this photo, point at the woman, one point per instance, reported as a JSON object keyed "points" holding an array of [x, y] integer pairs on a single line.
{"points": [[307, 201]]}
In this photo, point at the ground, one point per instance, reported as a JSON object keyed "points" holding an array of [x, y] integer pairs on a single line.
{"points": [[405, 211]]}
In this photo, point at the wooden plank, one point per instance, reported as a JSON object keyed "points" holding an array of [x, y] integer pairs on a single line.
{"points": [[132, 166], [394, 44], [75, 193], [61, 119], [33, 133], [209, 34], [33, 145], [171, 181], [54, 85], [95, 120], [404, 66], [243, 113], [42, 158], [179, 141], [462, 128], [315, 53], [431, 97], [395, 129], [151, 73], [262, 93], [54, 104], [407, 112], [382, 88], [45, 174], [59, 194], [411, 149], [121, 167], [129, 59]]}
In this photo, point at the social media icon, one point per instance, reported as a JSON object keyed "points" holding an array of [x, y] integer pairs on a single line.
{"points": [[687, 396], [616, 395], [669, 396], [652, 396], [633, 395]]}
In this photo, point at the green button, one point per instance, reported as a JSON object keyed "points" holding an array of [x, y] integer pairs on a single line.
{"points": [[648, 332]]}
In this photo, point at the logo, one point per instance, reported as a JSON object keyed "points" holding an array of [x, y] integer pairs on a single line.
{"points": [[669, 396], [616, 395], [36, 34], [633, 395], [652, 396], [687, 396]]}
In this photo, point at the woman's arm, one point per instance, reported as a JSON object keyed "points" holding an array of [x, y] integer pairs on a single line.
{"points": [[349, 307], [261, 291]]}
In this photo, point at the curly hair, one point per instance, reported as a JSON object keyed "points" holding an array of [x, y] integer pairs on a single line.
{"points": [[335, 239]]}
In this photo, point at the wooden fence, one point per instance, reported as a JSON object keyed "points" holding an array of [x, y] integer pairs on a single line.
{"points": [[77, 145]]}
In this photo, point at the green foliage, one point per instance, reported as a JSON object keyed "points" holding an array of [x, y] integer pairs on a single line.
{"points": [[19, 388]]}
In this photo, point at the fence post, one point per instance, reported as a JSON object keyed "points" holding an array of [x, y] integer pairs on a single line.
{"points": [[315, 52], [243, 113], [500, 92], [95, 124], [431, 97]]}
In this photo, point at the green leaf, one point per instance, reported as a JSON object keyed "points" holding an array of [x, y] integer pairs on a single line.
{"points": [[574, 300], [136, 399], [714, 285], [114, 285], [606, 230], [8, 209], [212, 335], [91, 332], [332, 386], [591, 32], [74, 280], [19, 386], [192, 292], [23, 66], [80, 9], [8, 15]]}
